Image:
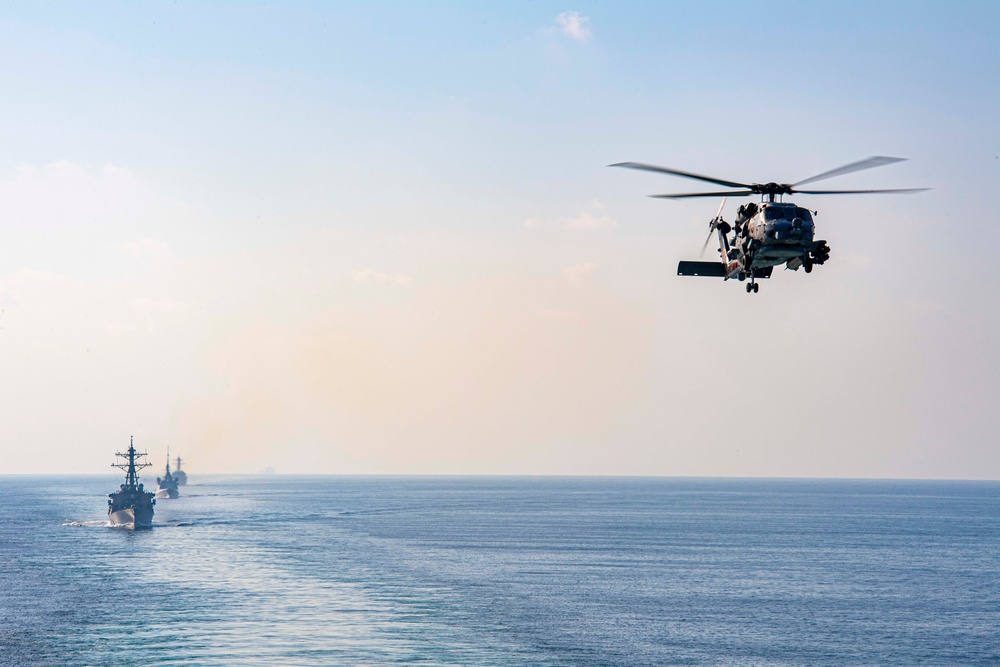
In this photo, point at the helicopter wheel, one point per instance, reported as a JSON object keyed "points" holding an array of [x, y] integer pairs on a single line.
{"points": [[749, 287], [756, 288]]}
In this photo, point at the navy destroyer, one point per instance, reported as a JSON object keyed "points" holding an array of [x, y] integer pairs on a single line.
{"points": [[166, 486], [179, 475], [130, 506]]}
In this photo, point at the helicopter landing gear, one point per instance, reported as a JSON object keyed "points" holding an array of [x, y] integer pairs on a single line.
{"points": [[753, 287]]}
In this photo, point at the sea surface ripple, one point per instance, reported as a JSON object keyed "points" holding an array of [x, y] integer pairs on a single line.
{"points": [[331, 570]]}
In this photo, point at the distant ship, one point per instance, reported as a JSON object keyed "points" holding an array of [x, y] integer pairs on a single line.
{"points": [[130, 506], [180, 476], [166, 487]]}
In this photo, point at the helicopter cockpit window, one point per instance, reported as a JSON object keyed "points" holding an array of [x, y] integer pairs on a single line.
{"points": [[803, 213], [774, 213]]}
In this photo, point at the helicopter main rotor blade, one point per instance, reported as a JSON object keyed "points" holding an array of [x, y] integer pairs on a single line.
{"points": [[870, 163], [859, 192], [676, 172], [738, 193]]}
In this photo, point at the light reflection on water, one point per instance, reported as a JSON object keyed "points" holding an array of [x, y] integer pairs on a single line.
{"points": [[502, 571]]}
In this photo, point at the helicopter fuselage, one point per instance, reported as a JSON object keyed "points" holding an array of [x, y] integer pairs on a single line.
{"points": [[763, 237], [776, 234]]}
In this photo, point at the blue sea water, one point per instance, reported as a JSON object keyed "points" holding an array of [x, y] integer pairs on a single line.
{"points": [[286, 570]]}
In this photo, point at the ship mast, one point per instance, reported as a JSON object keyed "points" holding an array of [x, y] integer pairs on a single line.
{"points": [[130, 468]]}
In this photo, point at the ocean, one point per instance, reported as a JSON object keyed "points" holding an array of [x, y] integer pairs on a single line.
{"points": [[354, 570]]}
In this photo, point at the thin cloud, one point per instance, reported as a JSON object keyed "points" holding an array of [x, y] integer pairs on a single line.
{"points": [[145, 248], [577, 273], [147, 303], [928, 307], [586, 221], [574, 25], [117, 328], [559, 314], [367, 275]]}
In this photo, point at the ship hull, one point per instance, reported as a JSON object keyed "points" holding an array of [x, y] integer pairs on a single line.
{"points": [[166, 493], [181, 478], [131, 518]]}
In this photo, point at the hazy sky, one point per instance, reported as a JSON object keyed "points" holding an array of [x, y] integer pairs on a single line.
{"points": [[382, 238]]}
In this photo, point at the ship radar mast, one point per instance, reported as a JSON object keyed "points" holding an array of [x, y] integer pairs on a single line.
{"points": [[130, 465]]}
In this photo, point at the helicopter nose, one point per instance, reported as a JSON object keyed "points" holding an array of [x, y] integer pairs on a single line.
{"points": [[781, 230]]}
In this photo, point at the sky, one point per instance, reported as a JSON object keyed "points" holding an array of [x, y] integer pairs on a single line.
{"points": [[383, 238]]}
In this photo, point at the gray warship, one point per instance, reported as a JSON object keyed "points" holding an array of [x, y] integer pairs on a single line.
{"points": [[130, 506], [166, 486], [180, 476]]}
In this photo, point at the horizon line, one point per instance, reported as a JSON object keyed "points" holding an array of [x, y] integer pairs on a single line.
{"points": [[526, 475]]}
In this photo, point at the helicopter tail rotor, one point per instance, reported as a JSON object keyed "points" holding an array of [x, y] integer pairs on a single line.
{"points": [[715, 223]]}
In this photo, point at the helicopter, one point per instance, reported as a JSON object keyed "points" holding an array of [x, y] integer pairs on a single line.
{"points": [[768, 233]]}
